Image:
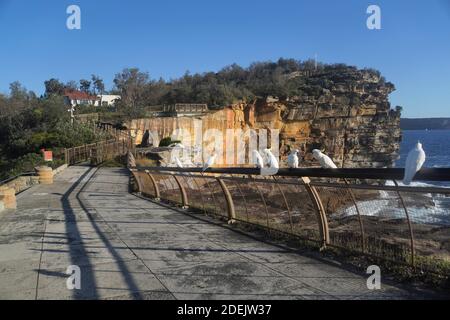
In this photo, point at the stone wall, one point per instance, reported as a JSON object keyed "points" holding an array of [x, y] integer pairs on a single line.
{"points": [[346, 115], [22, 183]]}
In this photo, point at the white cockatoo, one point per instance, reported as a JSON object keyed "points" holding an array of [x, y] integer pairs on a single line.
{"points": [[293, 159], [258, 159], [178, 162], [209, 162], [272, 162], [414, 162], [324, 160]]}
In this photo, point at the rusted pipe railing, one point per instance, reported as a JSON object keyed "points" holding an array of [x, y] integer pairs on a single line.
{"points": [[337, 226], [184, 198], [411, 233], [136, 178], [155, 186], [229, 200], [425, 174], [320, 210]]}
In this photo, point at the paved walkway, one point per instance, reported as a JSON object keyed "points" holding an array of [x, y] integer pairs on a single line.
{"points": [[131, 248]]}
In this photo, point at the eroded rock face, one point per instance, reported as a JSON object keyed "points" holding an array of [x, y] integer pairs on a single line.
{"points": [[347, 115]]}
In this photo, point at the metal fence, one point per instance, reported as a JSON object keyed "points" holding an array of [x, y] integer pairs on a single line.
{"points": [[361, 210]]}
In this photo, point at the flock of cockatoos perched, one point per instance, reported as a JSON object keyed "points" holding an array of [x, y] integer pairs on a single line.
{"points": [[414, 161]]}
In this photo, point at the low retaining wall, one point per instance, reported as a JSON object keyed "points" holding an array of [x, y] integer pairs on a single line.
{"points": [[20, 184], [8, 197], [9, 190]]}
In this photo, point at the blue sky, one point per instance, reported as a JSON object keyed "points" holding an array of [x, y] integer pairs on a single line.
{"points": [[168, 37]]}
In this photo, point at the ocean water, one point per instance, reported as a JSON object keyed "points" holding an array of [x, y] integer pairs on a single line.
{"points": [[423, 208], [436, 144]]}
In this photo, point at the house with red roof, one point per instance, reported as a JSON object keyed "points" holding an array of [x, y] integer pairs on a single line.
{"points": [[74, 98]]}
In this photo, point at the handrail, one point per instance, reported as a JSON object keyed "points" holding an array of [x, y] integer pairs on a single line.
{"points": [[370, 218], [426, 174], [425, 189], [83, 153]]}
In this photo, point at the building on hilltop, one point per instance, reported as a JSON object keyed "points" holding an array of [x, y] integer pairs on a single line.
{"points": [[108, 99], [75, 98]]}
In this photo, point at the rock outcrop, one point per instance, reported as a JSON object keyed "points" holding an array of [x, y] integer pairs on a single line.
{"points": [[346, 114]]}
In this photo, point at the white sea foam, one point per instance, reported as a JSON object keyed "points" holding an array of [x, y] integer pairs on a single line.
{"points": [[432, 209]]}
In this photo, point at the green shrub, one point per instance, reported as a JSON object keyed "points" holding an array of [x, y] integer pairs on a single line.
{"points": [[167, 141], [26, 163]]}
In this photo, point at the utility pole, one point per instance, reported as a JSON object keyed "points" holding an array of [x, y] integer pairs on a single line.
{"points": [[71, 110]]}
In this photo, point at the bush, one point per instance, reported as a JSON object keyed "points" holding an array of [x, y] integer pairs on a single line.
{"points": [[27, 163], [167, 141]]}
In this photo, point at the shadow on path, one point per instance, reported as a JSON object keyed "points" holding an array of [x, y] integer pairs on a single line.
{"points": [[126, 274], [75, 251], [77, 248]]}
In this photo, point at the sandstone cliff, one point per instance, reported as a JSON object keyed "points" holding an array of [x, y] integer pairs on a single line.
{"points": [[345, 114]]}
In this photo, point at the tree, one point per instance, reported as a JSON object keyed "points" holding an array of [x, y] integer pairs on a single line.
{"points": [[71, 85], [19, 98], [154, 92], [85, 85], [17, 91], [53, 87], [132, 84], [98, 85], [4, 105]]}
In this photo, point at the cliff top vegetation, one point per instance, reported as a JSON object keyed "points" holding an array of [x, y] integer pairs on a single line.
{"points": [[233, 83]]}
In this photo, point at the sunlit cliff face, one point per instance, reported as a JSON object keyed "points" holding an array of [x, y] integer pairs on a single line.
{"points": [[347, 117]]}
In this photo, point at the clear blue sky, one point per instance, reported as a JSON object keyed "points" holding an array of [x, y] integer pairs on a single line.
{"points": [[168, 37]]}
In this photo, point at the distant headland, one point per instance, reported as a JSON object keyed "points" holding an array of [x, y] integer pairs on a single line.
{"points": [[425, 123]]}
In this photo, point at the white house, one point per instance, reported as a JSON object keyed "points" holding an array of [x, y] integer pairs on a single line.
{"points": [[107, 99], [75, 98]]}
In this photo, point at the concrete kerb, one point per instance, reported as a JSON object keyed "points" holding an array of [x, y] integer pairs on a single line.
{"points": [[60, 169]]}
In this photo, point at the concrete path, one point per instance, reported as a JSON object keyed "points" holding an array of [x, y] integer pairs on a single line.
{"points": [[131, 248]]}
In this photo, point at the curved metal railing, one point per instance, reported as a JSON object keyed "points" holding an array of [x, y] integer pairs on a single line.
{"points": [[361, 210]]}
